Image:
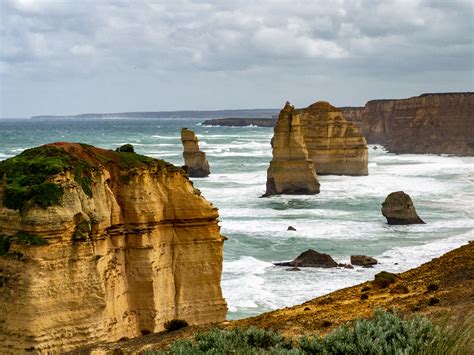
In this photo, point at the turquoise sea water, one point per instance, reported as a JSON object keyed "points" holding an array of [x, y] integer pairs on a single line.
{"points": [[343, 219]]}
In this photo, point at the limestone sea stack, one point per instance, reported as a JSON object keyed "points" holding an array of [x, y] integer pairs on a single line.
{"points": [[194, 159], [335, 145], [291, 171], [398, 209], [97, 245]]}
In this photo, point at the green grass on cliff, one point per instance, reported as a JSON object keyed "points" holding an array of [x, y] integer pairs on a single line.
{"points": [[26, 177]]}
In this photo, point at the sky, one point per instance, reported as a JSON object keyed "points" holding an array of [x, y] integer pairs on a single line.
{"points": [[70, 56]]}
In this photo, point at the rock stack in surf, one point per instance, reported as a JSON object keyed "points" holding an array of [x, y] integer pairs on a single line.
{"points": [[398, 209], [291, 171], [195, 160], [311, 141]]}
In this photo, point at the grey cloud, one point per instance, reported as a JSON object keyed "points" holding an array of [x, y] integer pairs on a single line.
{"points": [[79, 43]]}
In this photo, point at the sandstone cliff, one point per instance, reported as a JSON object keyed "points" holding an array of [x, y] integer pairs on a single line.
{"points": [[335, 145], [429, 123], [98, 245], [290, 171], [194, 159]]}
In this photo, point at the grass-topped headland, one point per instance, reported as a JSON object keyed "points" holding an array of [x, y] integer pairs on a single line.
{"points": [[26, 178]]}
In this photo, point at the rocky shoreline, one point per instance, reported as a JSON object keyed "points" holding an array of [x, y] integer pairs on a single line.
{"points": [[442, 289]]}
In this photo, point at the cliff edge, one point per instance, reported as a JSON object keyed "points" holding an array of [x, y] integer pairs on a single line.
{"points": [[97, 245], [429, 123]]}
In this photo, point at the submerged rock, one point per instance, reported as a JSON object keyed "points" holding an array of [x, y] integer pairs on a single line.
{"points": [[311, 258], [194, 159], [290, 172], [363, 260], [398, 209]]}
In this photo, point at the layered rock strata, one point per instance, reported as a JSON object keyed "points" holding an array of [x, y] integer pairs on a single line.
{"points": [[335, 145], [99, 245], [429, 123], [398, 208], [290, 171], [195, 160]]}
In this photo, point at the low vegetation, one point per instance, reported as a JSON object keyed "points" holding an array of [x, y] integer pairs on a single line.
{"points": [[27, 176], [386, 333], [20, 237]]}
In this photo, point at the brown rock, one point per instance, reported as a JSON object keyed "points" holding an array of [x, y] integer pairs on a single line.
{"points": [[398, 209], [291, 171], [335, 145], [194, 159], [311, 258], [430, 123], [149, 251], [363, 260]]}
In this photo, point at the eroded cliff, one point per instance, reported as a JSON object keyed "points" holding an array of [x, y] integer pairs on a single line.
{"points": [[429, 123], [98, 245], [291, 171], [335, 145]]}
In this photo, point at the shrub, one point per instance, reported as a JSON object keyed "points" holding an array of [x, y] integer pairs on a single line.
{"points": [[387, 333], [175, 324], [432, 287], [20, 237], [126, 148], [384, 279], [235, 341]]}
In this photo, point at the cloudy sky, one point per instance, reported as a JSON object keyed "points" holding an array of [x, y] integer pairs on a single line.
{"points": [[69, 56]]}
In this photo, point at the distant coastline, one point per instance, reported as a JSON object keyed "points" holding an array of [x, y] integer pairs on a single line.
{"points": [[246, 113]]}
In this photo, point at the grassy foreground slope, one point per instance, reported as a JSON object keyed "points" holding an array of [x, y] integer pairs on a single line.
{"points": [[442, 289]]}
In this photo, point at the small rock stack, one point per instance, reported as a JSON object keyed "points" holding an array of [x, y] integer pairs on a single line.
{"points": [[195, 160]]}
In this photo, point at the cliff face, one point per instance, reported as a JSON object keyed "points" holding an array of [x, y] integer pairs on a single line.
{"points": [[290, 171], [128, 245], [336, 146], [194, 159], [430, 123]]}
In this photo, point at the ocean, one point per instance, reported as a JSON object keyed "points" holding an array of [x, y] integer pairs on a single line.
{"points": [[343, 219]]}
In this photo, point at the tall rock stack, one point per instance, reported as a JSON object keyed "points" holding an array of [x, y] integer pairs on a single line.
{"points": [[97, 245], [291, 171], [194, 159], [335, 145]]}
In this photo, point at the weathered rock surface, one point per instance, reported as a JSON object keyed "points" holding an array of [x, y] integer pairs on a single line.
{"points": [[430, 123], [194, 159], [130, 244], [335, 145], [363, 260], [291, 171], [398, 209], [311, 258]]}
